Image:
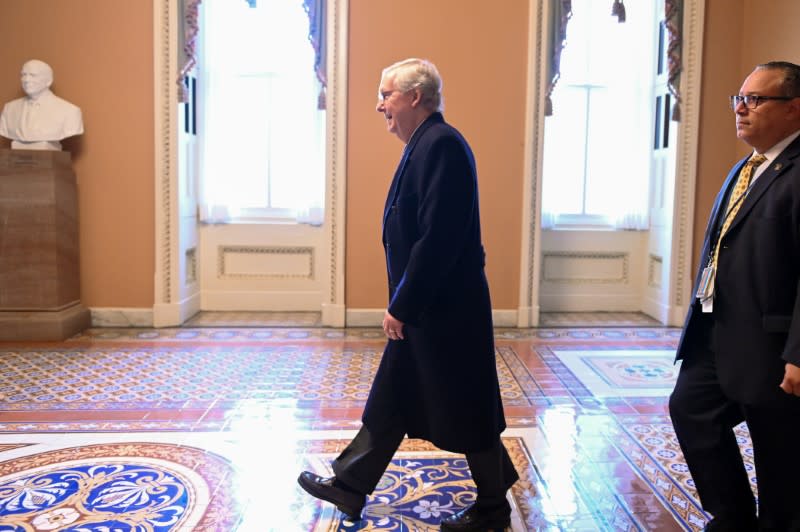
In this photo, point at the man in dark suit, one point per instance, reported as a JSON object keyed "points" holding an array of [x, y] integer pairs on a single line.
{"points": [[740, 347], [437, 379]]}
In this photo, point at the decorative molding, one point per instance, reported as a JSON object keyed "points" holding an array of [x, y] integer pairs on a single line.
{"points": [[623, 278], [165, 56], [191, 266], [332, 143], [302, 251], [655, 265], [337, 165], [534, 124], [686, 167]]}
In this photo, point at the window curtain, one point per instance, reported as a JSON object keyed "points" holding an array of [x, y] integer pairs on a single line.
{"points": [[187, 42], [189, 29], [560, 13], [673, 15], [317, 23]]}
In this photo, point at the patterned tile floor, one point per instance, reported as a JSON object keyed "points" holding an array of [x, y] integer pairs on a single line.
{"points": [[207, 428]]}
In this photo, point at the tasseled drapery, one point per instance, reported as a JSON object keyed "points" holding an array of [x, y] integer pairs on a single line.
{"points": [[187, 39], [560, 12], [317, 32], [618, 10], [673, 16]]}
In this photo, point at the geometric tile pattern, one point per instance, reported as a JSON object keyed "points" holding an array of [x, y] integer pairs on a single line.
{"points": [[603, 456], [655, 451], [181, 377], [218, 336]]}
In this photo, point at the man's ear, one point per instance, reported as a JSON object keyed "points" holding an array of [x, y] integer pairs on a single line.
{"points": [[417, 98], [795, 102], [794, 109]]}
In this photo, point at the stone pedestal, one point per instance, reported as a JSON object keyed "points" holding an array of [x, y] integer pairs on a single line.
{"points": [[39, 269]]}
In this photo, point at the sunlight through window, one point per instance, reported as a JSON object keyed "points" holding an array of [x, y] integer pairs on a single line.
{"points": [[596, 149], [262, 136]]}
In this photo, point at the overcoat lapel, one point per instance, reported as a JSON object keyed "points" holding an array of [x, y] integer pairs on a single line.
{"points": [[398, 174], [395, 183]]}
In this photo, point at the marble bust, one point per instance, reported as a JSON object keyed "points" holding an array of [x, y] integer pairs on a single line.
{"points": [[40, 119]]}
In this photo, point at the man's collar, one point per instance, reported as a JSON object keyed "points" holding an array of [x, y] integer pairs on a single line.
{"points": [[776, 150], [416, 129]]}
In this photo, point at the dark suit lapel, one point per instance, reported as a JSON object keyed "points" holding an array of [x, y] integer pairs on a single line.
{"points": [[718, 210], [777, 168]]}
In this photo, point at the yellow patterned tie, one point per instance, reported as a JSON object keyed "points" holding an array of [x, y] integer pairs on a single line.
{"points": [[736, 200]]}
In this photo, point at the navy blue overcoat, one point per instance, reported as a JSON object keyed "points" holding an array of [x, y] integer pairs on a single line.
{"points": [[441, 380]]}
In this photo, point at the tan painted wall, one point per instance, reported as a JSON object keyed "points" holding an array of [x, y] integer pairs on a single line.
{"points": [[101, 52], [717, 139], [739, 34], [480, 51]]}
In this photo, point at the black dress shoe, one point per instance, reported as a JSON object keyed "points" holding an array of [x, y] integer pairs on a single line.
{"points": [[329, 489], [474, 519]]}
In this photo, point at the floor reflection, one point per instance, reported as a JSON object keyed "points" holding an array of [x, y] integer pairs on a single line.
{"points": [[208, 428]]}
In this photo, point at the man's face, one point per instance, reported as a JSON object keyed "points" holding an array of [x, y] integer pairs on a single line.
{"points": [[398, 109], [772, 120], [35, 79]]}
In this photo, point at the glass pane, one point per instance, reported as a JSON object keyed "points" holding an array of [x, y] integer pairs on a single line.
{"points": [[263, 144], [605, 151], [597, 143], [564, 158]]}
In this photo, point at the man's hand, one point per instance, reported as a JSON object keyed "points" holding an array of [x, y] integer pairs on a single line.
{"points": [[394, 331], [791, 379]]}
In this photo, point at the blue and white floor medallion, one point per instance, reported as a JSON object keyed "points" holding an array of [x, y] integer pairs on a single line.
{"points": [[131, 487]]}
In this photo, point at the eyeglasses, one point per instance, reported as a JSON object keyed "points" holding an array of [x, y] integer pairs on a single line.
{"points": [[751, 102], [385, 95]]}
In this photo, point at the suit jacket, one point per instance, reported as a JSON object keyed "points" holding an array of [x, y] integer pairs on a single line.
{"points": [[755, 323], [441, 379]]}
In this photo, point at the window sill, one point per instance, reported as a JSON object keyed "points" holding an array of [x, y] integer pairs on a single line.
{"points": [[597, 228]]}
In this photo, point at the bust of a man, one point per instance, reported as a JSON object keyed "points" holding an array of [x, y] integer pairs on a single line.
{"points": [[40, 120]]}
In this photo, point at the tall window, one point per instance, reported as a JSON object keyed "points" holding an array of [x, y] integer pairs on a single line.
{"points": [[262, 136], [597, 143]]}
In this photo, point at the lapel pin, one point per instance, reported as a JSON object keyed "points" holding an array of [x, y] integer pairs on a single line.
{"points": [[778, 166]]}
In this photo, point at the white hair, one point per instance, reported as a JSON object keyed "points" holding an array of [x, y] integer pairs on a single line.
{"points": [[419, 74]]}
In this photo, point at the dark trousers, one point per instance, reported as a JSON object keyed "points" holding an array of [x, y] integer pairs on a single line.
{"points": [[363, 462], [704, 418]]}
